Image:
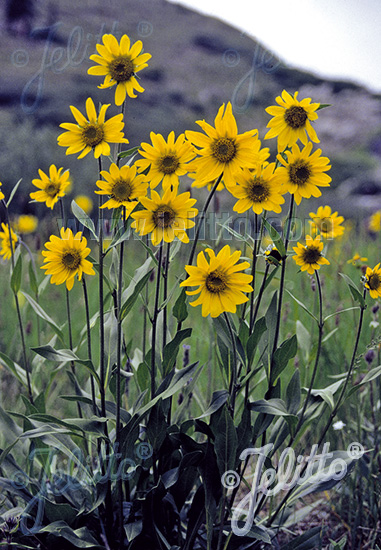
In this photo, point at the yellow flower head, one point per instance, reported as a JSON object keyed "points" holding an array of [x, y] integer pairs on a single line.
{"points": [[303, 173], [373, 281], [165, 217], [222, 149], [375, 222], [6, 250], [259, 189], [292, 120], [123, 186], [328, 224], [52, 187], [65, 258], [204, 183], [84, 202], [166, 160], [1, 194], [309, 256], [91, 133], [119, 63], [220, 286], [357, 258], [26, 223]]}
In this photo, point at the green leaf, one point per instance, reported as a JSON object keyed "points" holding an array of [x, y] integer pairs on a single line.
{"points": [[81, 538], [302, 305], [83, 218], [356, 294], [253, 340], [226, 441], [42, 313], [16, 275], [180, 309], [171, 350], [13, 192], [219, 398], [55, 355], [275, 237], [128, 153], [293, 393], [323, 106], [276, 407], [15, 369], [33, 277], [130, 295], [282, 356], [304, 339]]}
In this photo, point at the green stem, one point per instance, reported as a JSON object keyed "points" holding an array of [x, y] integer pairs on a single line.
{"points": [[165, 293], [233, 378], [145, 314], [202, 217], [314, 372], [154, 322], [101, 304], [88, 335], [72, 366], [282, 277], [19, 318]]}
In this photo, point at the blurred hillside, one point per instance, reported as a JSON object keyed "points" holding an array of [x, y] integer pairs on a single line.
{"points": [[197, 64]]}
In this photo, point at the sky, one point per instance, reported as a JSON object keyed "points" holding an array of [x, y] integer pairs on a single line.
{"points": [[332, 38]]}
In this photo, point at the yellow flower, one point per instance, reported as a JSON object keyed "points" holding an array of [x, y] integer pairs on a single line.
{"points": [[375, 222], [84, 202], [292, 120], [119, 63], [26, 223], [303, 172], [328, 224], [166, 160], [65, 258], [259, 189], [309, 256], [1, 194], [93, 132], [52, 186], [357, 258], [373, 281], [209, 184], [165, 217], [222, 149], [6, 250], [220, 285], [123, 186]]}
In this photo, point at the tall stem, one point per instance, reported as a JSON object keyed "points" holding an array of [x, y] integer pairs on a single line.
{"points": [[101, 305], [19, 318], [72, 366], [282, 277], [154, 322], [88, 335], [165, 293], [202, 217], [233, 377], [314, 372]]}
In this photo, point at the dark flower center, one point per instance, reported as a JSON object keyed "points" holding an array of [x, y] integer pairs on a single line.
{"points": [[121, 69], [374, 282], [224, 149], [295, 117], [326, 225], [71, 259], [93, 135], [216, 282], [169, 164], [311, 255], [163, 216], [121, 190], [257, 191], [52, 189], [299, 172]]}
